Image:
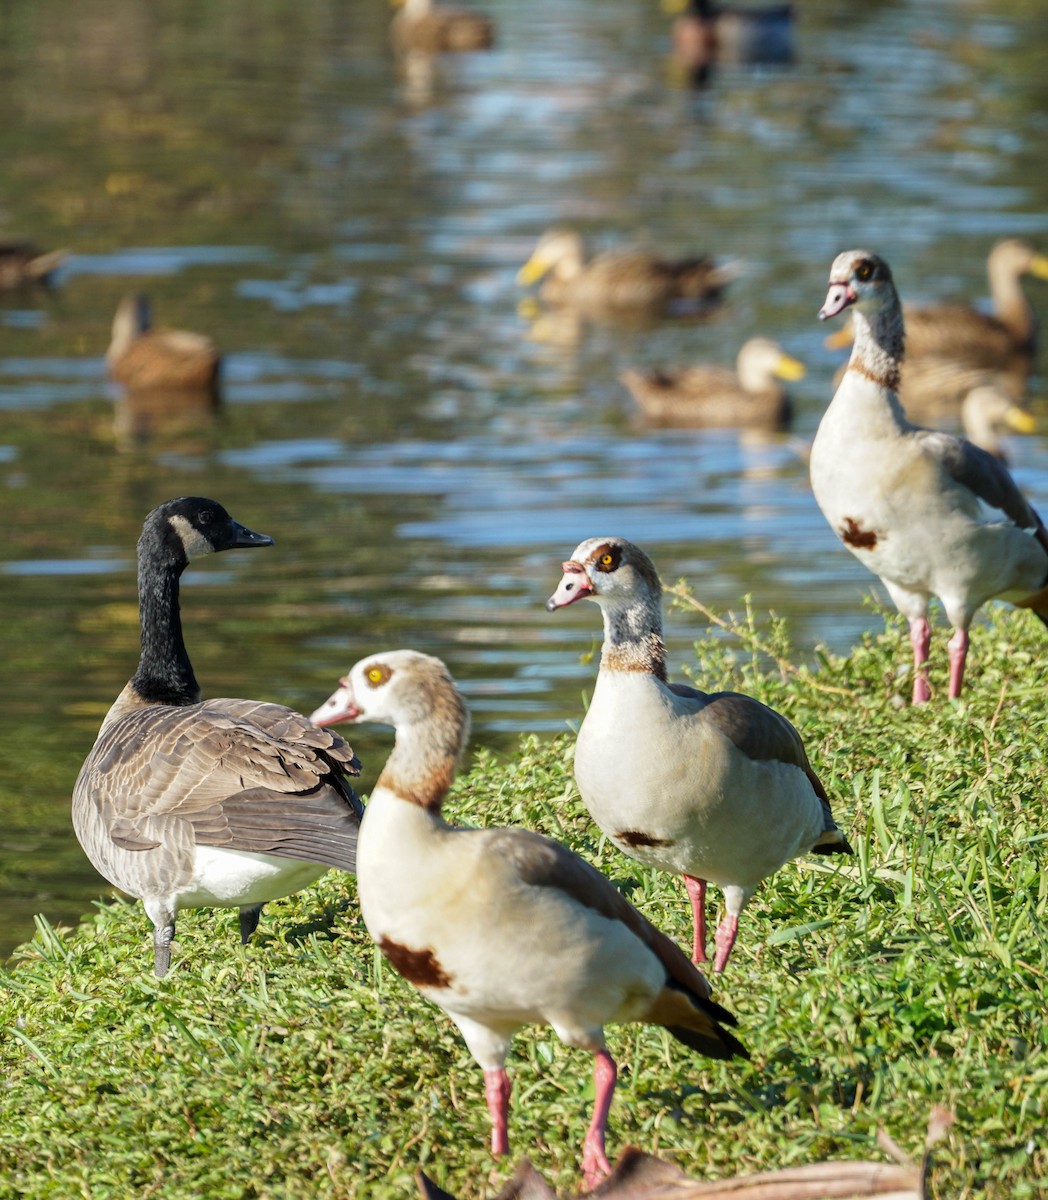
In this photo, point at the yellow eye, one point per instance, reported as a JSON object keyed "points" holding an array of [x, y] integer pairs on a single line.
{"points": [[378, 674], [606, 560], [863, 271]]}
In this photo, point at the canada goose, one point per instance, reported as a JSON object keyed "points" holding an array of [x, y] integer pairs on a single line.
{"points": [[705, 33], [22, 265], [141, 357], [502, 927], [622, 279], [713, 396], [424, 26], [185, 803], [905, 500], [716, 787]]}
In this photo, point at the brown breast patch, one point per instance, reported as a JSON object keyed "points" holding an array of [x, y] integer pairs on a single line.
{"points": [[634, 837], [419, 967], [852, 534]]}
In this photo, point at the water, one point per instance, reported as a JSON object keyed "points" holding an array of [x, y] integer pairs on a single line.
{"points": [[424, 455]]}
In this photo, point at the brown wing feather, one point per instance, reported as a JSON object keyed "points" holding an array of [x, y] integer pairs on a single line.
{"points": [[230, 771], [540, 862], [763, 735]]}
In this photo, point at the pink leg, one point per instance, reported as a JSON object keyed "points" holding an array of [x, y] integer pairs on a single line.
{"points": [[727, 931], [920, 640], [497, 1088], [595, 1165], [697, 896], [958, 654]]}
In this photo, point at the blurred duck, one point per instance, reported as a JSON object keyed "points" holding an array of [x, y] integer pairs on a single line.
{"points": [[1002, 341], [503, 928], [987, 413], [424, 26], [22, 265], [717, 397], [188, 803], [623, 279], [705, 33], [141, 357]]}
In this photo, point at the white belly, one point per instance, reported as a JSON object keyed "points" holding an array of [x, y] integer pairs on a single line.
{"points": [[233, 878]]}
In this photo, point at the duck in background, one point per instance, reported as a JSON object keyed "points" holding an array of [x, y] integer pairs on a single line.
{"points": [[422, 26], [622, 280], [705, 35], [141, 357], [987, 413], [22, 265], [751, 396], [503, 928], [908, 502]]}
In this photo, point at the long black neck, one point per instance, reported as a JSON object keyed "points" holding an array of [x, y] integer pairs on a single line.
{"points": [[165, 674]]}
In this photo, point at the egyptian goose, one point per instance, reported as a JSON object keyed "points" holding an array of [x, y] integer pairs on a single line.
{"points": [[141, 357], [713, 396], [502, 928], [623, 279], [907, 501], [942, 339], [225, 803], [421, 25], [22, 265], [715, 786]]}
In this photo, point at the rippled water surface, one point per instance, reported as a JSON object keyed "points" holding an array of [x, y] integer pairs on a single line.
{"points": [[424, 453]]}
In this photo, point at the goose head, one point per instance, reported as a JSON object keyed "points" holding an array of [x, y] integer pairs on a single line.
{"points": [[192, 526], [609, 570], [396, 687], [861, 279]]}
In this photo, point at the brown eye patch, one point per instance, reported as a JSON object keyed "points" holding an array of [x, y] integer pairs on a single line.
{"points": [[864, 271], [378, 674], [607, 557]]}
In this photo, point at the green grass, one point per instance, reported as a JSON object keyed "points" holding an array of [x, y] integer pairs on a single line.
{"points": [[867, 991]]}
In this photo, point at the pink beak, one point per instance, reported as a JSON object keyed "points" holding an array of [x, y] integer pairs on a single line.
{"points": [[574, 586], [339, 706], [838, 298]]}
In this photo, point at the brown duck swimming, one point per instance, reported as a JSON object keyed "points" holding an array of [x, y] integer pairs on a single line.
{"points": [[22, 265], [621, 279], [142, 357], [751, 396]]}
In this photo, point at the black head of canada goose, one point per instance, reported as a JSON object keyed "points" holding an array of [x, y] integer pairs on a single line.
{"points": [[187, 803]]}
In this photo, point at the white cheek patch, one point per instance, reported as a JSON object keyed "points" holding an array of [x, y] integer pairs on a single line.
{"points": [[193, 541]]}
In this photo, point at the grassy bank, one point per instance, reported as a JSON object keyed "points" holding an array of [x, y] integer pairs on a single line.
{"points": [[300, 1066]]}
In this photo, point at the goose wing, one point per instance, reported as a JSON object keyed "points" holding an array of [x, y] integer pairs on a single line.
{"points": [[541, 862], [760, 733], [983, 475], [240, 774]]}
